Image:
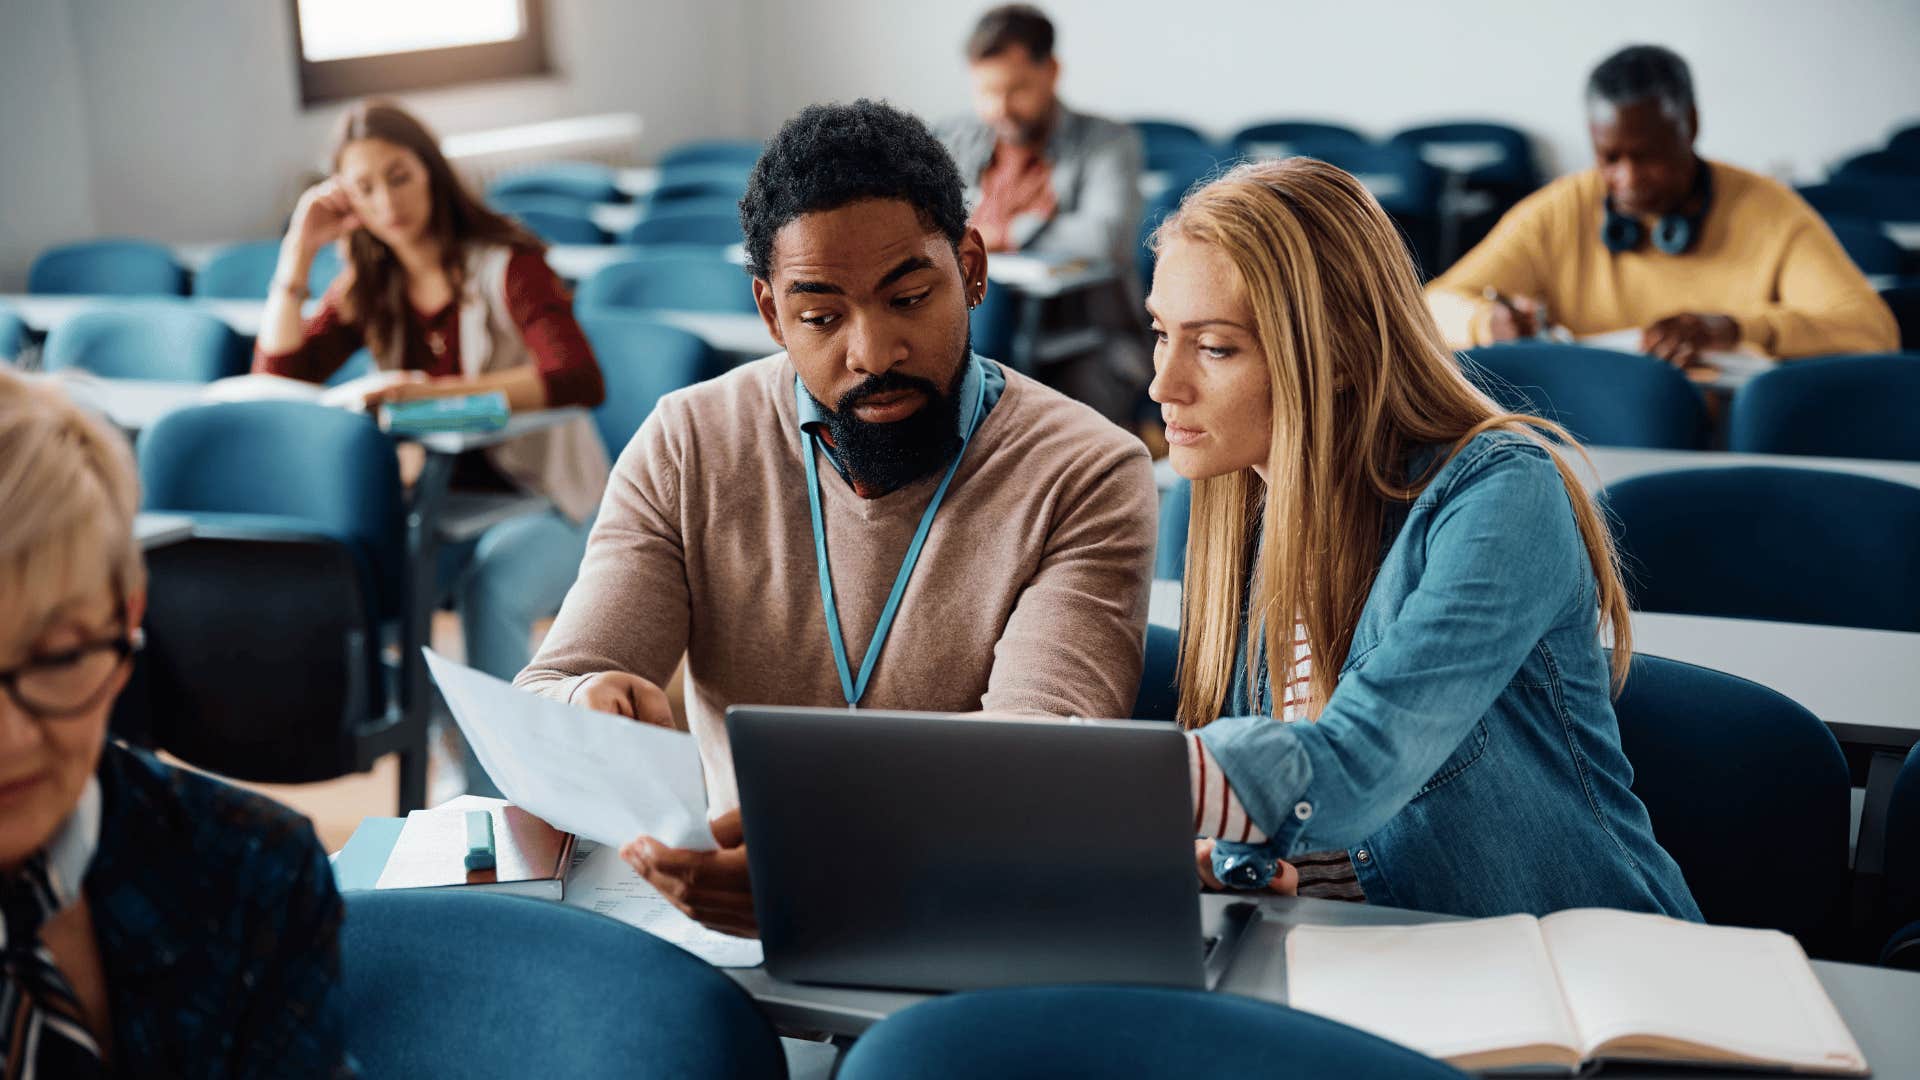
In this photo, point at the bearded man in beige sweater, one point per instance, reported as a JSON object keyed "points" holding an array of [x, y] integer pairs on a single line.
{"points": [[875, 517]]}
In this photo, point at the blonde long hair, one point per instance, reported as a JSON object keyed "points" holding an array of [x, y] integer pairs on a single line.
{"points": [[1360, 379]]}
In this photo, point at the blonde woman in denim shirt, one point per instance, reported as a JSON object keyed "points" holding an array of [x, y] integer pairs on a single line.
{"points": [[1423, 574]]}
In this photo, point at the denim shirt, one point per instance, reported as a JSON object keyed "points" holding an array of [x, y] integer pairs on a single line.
{"points": [[1468, 760]]}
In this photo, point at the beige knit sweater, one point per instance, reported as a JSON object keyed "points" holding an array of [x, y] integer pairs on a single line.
{"points": [[1030, 595]]}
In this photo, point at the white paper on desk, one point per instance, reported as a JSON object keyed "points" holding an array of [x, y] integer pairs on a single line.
{"points": [[599, 881], [602, 777], [1731, 361]]}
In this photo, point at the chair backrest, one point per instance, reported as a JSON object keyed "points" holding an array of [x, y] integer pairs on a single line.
{"points": [[1904, 302], [1397, 175], [1873, 198], [1514, 163], [671, 280], [1868, 245], [13, 336], [109, 268], [421, 977], [1155, 132], [1879, 165], [1836, 406], [245, 271], [994, 322], [712, 152], [330, 470], [715, 184], [262, 655], [1603, 397], [586, 181], [1796, 545], [1181, 166], [700, 221], [1141, 1032], [642, 361], [1903, 845], [171, 342], [1170, 553], [1737, 778], [1906, 142], [556, 219], [1280, 138], [1159, 695]]}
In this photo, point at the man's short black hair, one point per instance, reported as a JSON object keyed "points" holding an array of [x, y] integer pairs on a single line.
{"points": [[1008, 25], [1640, 73], [831, 155]]}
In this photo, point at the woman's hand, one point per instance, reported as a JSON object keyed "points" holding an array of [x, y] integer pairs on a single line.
{"points": [[323, 215], [1286, 878], [710, 887]]}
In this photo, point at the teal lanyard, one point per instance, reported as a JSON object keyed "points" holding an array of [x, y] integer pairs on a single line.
{"points": [[854, 691]]}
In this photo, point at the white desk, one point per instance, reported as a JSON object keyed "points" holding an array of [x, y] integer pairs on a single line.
{"points": [[43, 313], [1877, 1004], [1904, 233], [1617, 463], [735, 333], [160, 530]]}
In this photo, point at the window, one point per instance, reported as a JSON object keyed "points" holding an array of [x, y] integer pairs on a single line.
{"points": [[352, 48]]}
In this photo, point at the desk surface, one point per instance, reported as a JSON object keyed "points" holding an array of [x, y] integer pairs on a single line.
{"points": [[1613, 463], [42, 313], [154, 530], [1864, 683], [1878, 1004]]}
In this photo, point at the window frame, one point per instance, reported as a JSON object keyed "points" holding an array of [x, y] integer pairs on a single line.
{"points": [[327, 81]]}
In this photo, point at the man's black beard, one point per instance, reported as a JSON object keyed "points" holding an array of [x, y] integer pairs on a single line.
{"points": [[887, 457]]}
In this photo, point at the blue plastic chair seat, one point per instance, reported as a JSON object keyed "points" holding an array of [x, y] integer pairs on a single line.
{"points": [[139, 339], [738, 152], [108, 268], [583, 181], [1284, 137], [669, 280], [245, 271], [1836, 406], [1602, 397], [642, 361], [695, 221], [1514, 167]]}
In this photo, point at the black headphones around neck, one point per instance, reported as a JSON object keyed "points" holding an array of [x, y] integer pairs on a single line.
{"points": [[1674, 233]]}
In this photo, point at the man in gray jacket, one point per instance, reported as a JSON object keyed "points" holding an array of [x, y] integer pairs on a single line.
{"points": [[1045, 180]]}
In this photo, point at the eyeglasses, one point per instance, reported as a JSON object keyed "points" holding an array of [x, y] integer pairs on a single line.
{"points": [[72, 681]]}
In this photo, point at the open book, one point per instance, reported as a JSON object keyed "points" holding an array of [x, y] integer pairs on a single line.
{"points": [[1575, 987]]}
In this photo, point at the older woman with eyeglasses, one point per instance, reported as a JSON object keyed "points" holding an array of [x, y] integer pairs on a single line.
{"points": [[156, 922]]}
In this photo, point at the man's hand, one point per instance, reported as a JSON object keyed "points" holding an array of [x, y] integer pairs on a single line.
{"points": [[624, 694], [1286, 879], [711, 887], [1680, 339]]}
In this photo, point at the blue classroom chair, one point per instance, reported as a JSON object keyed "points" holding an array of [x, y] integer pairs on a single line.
{"points": [[1864, 199], [1169, 133], [1281, 138], [1760, 542], [1145, 1033], [1733, 774], [1902, 885], [1906, 142], [1835, 406], [108, 268], [1170, 553], [146, 340], [1159, 695], [1602, 397], [1904, 302], [1876, 165], [713, 187], [245, 271], [13, 336], [674, 279], [1870, 248], [583, 181], [421, 977], [1515, 168], [689, 222], [557, 219], [740, 152], [642, 361]]}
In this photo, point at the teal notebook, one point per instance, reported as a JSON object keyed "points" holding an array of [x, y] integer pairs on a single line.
{"points": [[359, 864], [472, 412]]}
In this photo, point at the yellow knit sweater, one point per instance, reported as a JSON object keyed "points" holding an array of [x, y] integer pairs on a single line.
{"points": [[1765, 258]]}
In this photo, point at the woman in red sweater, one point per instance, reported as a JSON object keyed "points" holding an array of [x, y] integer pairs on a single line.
{"points": [[450, 298]]}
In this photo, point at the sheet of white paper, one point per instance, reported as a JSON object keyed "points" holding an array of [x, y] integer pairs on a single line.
{"points": [[603, 777], [600, 881], [1733, 361]]}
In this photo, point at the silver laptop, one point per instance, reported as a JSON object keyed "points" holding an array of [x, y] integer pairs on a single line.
{"points": [[924, 851]]}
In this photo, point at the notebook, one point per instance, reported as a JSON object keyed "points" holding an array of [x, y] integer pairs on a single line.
{"points": [[1576, 987], [531, 856]]}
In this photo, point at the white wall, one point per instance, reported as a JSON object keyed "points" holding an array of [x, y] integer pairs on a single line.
{"points": [[44, 192], [181, 120], [1785, 86]]}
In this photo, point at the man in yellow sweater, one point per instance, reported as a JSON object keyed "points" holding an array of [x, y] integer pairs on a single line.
{"points": [[1699, 256]]}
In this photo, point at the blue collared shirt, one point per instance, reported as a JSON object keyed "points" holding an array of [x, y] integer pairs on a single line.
{"points": [[983, 377]]}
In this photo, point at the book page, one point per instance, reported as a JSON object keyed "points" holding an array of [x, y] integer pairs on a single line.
{"points": [[1749, 993], [600, 881], [1446, 989]]}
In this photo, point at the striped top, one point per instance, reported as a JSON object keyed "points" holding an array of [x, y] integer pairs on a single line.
{"points": [[1217, 811]]}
